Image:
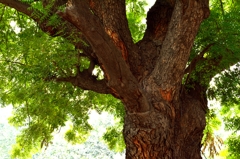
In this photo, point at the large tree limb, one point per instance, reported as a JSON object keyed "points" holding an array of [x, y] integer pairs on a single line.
{"points": [[175, 50], [66, 30], [20, 6], [160, 14], [158, 18], [112, 14], [116, 71]]}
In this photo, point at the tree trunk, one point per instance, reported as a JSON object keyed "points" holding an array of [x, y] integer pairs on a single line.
{"points": [[170, 130], [163, 120]]}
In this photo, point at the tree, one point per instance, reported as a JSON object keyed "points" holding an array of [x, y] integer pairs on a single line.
{"points": [[161, 79]]}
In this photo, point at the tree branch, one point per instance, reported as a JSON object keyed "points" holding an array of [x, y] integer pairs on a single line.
{"points": [[20, 6], [84, 81], [197, 58], [158, 18], [175, 50], [112, 14], [66, 30], [210, 68], [221, 4]]}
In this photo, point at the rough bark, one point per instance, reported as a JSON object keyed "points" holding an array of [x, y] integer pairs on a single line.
{"points": [[164, 132], [163, 118]]}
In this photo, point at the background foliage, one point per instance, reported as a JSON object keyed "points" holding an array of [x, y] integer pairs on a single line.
{"points": [[94, 146]]}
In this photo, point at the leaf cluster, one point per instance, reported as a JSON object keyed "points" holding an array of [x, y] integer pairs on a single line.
{"points": [[135, 15], [222, 30], [211, 142]]}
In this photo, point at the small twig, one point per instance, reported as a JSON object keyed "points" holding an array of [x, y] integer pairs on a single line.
{"points": [[13, 62], [221, 3]]}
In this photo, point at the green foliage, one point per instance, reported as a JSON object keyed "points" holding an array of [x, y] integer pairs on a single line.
{"points": [[211, 142], [40, 106], [135, 15], [227, 91], [76, 135], [233, 146], [59, 147], [227, 87], [114, 138], [231, 113], [221, 30]]}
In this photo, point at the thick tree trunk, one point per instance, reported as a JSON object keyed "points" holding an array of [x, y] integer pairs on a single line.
{"points": [[170, 130], [172, 126]]}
